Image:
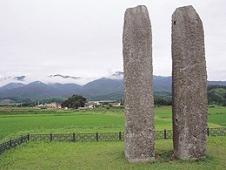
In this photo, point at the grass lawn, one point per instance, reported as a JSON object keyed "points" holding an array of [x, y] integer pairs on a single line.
{"points": [[105, 155], [95, 155], [16, 121]]}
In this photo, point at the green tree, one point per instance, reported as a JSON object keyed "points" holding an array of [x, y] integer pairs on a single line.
{"points": [[74, 102]]}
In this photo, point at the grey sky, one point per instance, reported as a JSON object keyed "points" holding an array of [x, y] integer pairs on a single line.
{"points": [[39, 38]]}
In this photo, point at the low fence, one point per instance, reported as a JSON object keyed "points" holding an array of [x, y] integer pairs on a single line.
{"points": [[13, 143], [91, 137]]}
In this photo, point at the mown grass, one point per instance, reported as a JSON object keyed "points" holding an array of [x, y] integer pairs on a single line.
{"points": [[16, 121], [96, 155], [106, 155]]}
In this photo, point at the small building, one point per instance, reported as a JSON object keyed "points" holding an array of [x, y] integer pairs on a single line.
{"points": [[92, 104], [116, 104], [113, 103], [53, 105]]}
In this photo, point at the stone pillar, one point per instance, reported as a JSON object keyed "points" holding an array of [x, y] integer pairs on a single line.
{"points": [[139, 114], [189, 85]]}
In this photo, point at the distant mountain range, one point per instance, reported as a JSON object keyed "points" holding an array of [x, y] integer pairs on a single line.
{"points": [[100, 89]]}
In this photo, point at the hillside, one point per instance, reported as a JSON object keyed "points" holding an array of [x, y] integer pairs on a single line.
{"points": [[101, 89], [217, 95]]}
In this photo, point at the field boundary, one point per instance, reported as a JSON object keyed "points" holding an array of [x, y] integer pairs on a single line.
{"points": [[91, 137], [13, 143]]}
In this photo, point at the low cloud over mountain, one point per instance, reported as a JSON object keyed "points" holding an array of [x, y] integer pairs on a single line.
{"points": [[20, 78], [9, 79], [100, 89], [64, 76]]}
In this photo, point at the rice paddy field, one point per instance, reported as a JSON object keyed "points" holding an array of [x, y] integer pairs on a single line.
{"points": [[95, 155], [17, 121]]}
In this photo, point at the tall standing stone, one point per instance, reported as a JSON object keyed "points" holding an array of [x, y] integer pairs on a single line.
{"points": [[137, 55], [189, 84]]}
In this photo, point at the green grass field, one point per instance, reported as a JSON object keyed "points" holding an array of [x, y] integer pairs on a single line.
{"points": [[17, 121], [95, 155], [105, 156]]}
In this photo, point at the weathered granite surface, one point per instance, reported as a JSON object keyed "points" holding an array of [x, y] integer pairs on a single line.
{"points": [[189, 84], [137, 55]]}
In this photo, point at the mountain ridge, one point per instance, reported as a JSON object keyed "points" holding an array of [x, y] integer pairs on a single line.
{"points": [[99, 89]]}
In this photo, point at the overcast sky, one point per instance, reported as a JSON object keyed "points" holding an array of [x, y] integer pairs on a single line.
{"points": [[83, 38]]}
